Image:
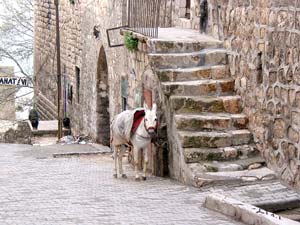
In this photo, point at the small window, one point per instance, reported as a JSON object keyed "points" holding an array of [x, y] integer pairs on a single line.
{"points": [[70, 93], [64, 68], [49, 20], [124, 94], [77, 71]]}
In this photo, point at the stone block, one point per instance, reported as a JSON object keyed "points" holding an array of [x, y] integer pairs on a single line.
{"points": [[244, 212], [211, 122], [232, 105], [297, 100], [228, 104], [214, 139], [186, 60], [279, 128], [293, 134], [200, 87]]}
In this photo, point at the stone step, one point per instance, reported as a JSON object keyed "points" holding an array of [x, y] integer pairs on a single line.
{"points": [[183, 46], [202, 179], [214, 139], [206, 57], [194, 73], [236, 165], [50, 133], [180, 39], [211, 121], [194, 104], [199, 87], [197, 155]]}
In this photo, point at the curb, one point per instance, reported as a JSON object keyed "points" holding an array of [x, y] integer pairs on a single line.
{"points": [[77, 154], [246, 213]]}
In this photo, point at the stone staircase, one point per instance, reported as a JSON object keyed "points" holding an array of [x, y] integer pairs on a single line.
{"points": [[208, 133], [46, 109]]}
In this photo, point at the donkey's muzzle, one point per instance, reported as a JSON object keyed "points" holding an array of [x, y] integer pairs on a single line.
{"points": [[151, 132]]}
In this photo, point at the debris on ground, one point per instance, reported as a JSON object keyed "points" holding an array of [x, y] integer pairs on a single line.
{"points": [[68, 140]]}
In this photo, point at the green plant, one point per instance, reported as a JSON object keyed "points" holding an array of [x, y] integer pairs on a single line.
{"points": [[72, 2], [130, 43]]}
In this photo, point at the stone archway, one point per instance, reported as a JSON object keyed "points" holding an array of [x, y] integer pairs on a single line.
{"points": [[102, 108]]}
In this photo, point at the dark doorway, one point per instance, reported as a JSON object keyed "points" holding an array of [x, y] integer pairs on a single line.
{"points": [[103, 116], [185, 9], [203, 16], [188, 9]]}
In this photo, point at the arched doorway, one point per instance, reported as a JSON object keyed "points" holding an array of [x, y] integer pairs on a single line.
{"points": [[102, 109]]}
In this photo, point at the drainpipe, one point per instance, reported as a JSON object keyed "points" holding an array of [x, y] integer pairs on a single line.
{"points": [[59, 113]]}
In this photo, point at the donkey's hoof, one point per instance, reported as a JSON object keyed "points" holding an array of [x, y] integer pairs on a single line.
{"points": [[137, 179], [115, 176], [144, 178], [124, 176]]}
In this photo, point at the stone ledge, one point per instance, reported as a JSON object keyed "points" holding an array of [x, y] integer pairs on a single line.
{"points": [[246, 213], [78, 154], [15, 132]]}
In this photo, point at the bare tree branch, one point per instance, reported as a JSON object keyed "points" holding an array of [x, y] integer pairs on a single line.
{"points": [[16, 33], [7, 99], [11, 57]]}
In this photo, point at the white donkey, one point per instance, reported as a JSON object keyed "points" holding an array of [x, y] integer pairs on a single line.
{"points": [[140, 138]]}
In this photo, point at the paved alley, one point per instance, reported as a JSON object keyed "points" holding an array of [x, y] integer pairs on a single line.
{"points": [[36, 188]]}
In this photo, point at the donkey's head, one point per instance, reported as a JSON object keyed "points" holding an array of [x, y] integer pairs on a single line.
{"points": [[150, 119]]}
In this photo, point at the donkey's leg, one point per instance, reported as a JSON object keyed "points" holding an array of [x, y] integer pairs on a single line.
{"points": [[145, 163], [116, 149], [136, 163], [120, 156]]}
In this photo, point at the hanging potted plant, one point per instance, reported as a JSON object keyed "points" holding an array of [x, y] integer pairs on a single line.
{"points": [[130, 42], [66, 122]]}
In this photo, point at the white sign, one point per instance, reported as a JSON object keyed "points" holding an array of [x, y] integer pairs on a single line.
{"points": [[14, 81]]}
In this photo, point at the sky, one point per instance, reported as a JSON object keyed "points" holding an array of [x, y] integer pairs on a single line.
{"points": [[22, 91]]}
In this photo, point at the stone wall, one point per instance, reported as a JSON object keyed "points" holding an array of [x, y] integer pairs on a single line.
{"points": [[84, 46], [15, 132], [7, 96], [80, 53], [85, 51], [263, 39]]}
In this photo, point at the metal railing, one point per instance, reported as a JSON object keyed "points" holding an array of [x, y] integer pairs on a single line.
{"points": [[144, 16]]}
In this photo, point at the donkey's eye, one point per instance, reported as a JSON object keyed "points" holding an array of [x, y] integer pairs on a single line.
{"points": [[155, 119], [146, 119]]}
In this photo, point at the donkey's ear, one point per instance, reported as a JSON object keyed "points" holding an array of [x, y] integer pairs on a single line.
{"points": [[154, 107], [146, 106]]}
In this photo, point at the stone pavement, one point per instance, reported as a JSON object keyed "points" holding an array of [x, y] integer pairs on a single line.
{"points": [[36, 188], [65, 191]]}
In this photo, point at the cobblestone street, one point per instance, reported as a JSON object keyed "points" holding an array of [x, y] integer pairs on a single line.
{"points": [[37, 189]]}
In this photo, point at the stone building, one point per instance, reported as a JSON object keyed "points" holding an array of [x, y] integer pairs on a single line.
{"points": [[229, 97], [7, 96]]}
